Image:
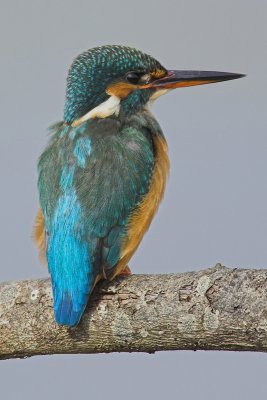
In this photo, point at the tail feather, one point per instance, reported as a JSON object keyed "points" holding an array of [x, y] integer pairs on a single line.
{"points": [[69, 260], [72, 275], [65, 311]]}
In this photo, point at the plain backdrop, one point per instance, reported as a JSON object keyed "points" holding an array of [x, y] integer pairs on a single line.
{"points": [[215, 208]]}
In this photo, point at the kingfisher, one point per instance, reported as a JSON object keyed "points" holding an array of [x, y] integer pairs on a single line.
{"points": [[103, 174]]}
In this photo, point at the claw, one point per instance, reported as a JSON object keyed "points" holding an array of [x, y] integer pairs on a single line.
{"points": [[126, 271]]}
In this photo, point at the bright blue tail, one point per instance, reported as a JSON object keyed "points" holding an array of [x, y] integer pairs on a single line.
{"points": [[72, 277], [66, 313], [68, 255], [72, 274]]}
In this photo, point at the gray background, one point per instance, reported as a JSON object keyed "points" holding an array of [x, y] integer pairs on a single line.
{"points": [[215, 205]]}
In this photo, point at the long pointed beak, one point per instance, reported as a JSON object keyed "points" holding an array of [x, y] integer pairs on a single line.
{"points": [[175, 79]]}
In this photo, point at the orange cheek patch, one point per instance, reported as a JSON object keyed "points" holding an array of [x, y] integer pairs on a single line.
{"points": [[121, 89]]}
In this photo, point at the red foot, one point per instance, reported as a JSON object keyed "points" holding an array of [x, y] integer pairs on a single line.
{"points": [[126, 271]]}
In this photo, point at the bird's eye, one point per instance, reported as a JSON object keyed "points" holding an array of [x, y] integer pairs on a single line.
{"points": [[133, 77]]}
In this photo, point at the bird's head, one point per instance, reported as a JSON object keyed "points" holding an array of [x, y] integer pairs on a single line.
{"points": [[119, 80]]}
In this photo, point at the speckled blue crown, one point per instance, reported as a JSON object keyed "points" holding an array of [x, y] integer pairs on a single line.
{"points": [[93, 70]]}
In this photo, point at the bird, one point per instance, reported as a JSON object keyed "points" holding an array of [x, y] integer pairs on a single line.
{"points": [[103, 173]]}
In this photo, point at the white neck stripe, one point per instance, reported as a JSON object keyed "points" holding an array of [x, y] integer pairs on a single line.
{"points": [[109, 107]]}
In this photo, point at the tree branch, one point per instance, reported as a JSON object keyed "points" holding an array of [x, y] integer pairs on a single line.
{"points": [[213, 309]]}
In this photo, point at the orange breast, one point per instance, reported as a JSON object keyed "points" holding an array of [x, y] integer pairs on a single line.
{"points": [[141, 219], [39, 235]]}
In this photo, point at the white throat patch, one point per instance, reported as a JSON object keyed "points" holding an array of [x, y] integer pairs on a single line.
{"points": [[109, 107], [155, 96], [158, 93]]}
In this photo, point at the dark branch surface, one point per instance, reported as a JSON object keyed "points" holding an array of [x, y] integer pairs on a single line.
{"points": [[214, 309]]}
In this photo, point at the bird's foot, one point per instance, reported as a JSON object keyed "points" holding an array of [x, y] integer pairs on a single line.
{"points": [[126, 271]]}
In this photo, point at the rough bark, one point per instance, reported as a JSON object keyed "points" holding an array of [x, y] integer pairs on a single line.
{"points": [[213, 309]]}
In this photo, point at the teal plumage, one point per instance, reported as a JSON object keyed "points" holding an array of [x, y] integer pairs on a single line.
{"points": [[103, 174], [82, 175]]}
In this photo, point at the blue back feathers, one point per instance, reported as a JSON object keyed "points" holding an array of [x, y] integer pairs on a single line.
{"points": [[68, 255], [91, 178]]}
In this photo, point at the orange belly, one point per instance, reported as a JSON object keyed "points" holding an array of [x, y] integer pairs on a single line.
{"points": [[39, 235], [141, 218]]}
